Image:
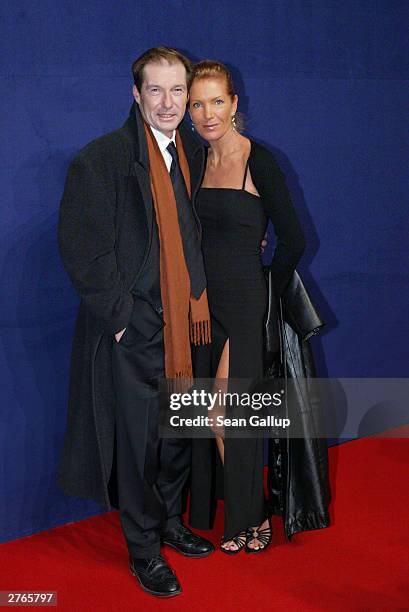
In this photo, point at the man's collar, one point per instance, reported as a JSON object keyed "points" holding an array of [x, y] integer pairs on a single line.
{"points": [[134, 126], [162, 140]]}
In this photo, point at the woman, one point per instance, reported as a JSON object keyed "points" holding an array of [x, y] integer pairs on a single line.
{"points": [[242, 188]]}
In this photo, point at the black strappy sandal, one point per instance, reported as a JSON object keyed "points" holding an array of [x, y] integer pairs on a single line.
{"points": [[264, 536], [239, 540]]}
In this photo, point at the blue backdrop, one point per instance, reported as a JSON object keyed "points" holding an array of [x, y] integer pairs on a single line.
{"points": [[322, 82]]}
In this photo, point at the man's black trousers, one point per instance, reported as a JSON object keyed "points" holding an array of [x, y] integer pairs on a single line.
{"points": [[151, 472]]}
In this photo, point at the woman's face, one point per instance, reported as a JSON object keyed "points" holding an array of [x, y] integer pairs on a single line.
{"points": [[211, 108]]}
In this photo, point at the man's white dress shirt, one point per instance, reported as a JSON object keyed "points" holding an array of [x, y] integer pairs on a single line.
{"points": [[163, 141]]}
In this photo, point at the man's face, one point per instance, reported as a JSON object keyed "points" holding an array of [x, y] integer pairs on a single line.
{"points": [[163, 96]]}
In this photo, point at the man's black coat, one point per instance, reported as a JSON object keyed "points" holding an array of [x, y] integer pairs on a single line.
{"points": [[105, 230]]}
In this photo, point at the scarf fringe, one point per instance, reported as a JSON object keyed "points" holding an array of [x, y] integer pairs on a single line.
{"points": [[200, 333], [180, 382], [187, 374]]}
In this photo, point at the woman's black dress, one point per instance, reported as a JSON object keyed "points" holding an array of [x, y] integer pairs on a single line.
{"points": [[233, 224]]}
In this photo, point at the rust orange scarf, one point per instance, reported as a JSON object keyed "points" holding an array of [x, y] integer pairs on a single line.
{"points": [[186, 319]]}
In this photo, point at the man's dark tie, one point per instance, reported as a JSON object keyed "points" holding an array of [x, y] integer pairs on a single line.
{"points": [[188, 227]]}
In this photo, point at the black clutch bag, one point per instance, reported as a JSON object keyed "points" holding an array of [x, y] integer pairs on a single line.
{"points": [[295, 308]]}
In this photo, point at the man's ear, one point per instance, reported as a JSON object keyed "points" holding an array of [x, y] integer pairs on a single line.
{"points": [[136, 94]]}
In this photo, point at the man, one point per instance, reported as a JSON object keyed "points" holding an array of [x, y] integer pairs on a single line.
{"points": [[130, 241]]}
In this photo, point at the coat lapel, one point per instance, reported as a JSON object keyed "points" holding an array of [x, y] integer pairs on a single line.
{"points": [[142, 176], [140, 165]]}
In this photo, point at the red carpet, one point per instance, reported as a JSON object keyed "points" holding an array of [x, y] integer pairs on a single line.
{"points": [[360, 563]]}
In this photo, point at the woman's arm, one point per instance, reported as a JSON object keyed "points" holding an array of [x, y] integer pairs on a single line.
{"points": [[272, 188]]}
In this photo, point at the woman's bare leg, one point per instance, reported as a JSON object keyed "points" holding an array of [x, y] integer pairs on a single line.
{"points": [[222, 375]]}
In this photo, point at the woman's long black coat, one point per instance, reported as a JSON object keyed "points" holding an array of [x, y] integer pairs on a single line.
{"points": [[298, 483]]}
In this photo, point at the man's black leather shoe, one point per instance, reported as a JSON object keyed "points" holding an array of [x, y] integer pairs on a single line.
{"points": [[155, 576], [186, 542]]}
